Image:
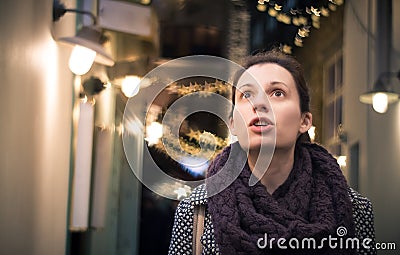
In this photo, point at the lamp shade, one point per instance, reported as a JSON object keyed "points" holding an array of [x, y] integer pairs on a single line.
{"points": [[368, 98], [380, 99], [92, 38], [380, 96]]}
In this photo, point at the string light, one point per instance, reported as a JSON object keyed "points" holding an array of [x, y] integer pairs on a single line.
{"points": [[283, 18], [294, 11], [325, 12], [261, 7], [272, 12], [201, 144], [278, 7], [315, 11], [298, 41], [287, 49], [305, 18], [218, 87], [332, 7]]}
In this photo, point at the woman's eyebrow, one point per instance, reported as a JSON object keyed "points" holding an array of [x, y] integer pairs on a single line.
{"points": [[245, 85], [275, 83]]}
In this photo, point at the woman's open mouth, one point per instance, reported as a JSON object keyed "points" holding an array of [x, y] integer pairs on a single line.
{"points": [[260, 125]]}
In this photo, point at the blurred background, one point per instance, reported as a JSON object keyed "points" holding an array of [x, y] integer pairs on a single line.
{"points": [[71, 154]]}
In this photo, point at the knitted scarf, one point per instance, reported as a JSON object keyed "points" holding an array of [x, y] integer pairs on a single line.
{"points": [[312, 203]]}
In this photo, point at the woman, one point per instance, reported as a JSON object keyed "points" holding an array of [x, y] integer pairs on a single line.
{"points": [[301, 203]]}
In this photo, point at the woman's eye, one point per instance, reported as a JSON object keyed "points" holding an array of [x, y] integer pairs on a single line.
{"points": [[246, 94], [278, 93]]}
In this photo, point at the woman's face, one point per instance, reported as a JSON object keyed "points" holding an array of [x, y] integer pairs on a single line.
{"points": [[267, 104]]}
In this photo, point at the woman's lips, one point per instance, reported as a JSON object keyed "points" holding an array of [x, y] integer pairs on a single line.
{"points": [[260, 125], [260, 129]]}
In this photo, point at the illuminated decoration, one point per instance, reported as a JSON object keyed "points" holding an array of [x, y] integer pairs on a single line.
{"points": [[197, 144], [154, 132], [332, 7], [278, 7], [341, 160], [217, 87], [304, 31], [283, 18], [298, 41], [302, 18], [311, 133], [286, 49], [182, 192], [261, 7], [130, 85], [324, 12], [272, 12], [191, 144]]}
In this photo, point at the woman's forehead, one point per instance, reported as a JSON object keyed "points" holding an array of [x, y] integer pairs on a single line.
{"points": [[265, 74]]}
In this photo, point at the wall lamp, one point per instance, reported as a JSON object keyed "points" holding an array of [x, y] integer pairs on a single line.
{"points": [[381, 96], [88, 42]]}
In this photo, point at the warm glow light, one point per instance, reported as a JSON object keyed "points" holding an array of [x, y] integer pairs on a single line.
{"points": [[342, 161], [311, 133], [130, 85], [81, 60], [154, 132], [182, 192], [380, 102], [261, 7]]}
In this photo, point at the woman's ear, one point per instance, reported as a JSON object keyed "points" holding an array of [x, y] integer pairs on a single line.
{"points": [[306, 122], [232, 126]]}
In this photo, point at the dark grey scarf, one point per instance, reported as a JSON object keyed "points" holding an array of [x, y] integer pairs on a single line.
{"points": [[312, 203]]}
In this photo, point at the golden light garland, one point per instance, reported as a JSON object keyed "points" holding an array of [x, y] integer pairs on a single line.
{"points": [[297, 17], [197, 143], [218, 87]]}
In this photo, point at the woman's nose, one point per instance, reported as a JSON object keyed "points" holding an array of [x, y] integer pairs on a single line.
{"points": [[261, 104]]}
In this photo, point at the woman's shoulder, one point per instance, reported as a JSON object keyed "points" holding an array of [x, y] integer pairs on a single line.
{"points": [[363, 216], [359, 201], [362, 208], [197, 197]]}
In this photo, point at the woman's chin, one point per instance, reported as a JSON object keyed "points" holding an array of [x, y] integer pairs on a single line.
{"points": [[260, 146]]}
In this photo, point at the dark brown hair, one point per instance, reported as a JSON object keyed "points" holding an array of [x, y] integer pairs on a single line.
{"points": [[288, 62]]}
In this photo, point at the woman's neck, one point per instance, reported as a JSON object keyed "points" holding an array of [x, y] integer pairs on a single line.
{"points": [[278, 170]]}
